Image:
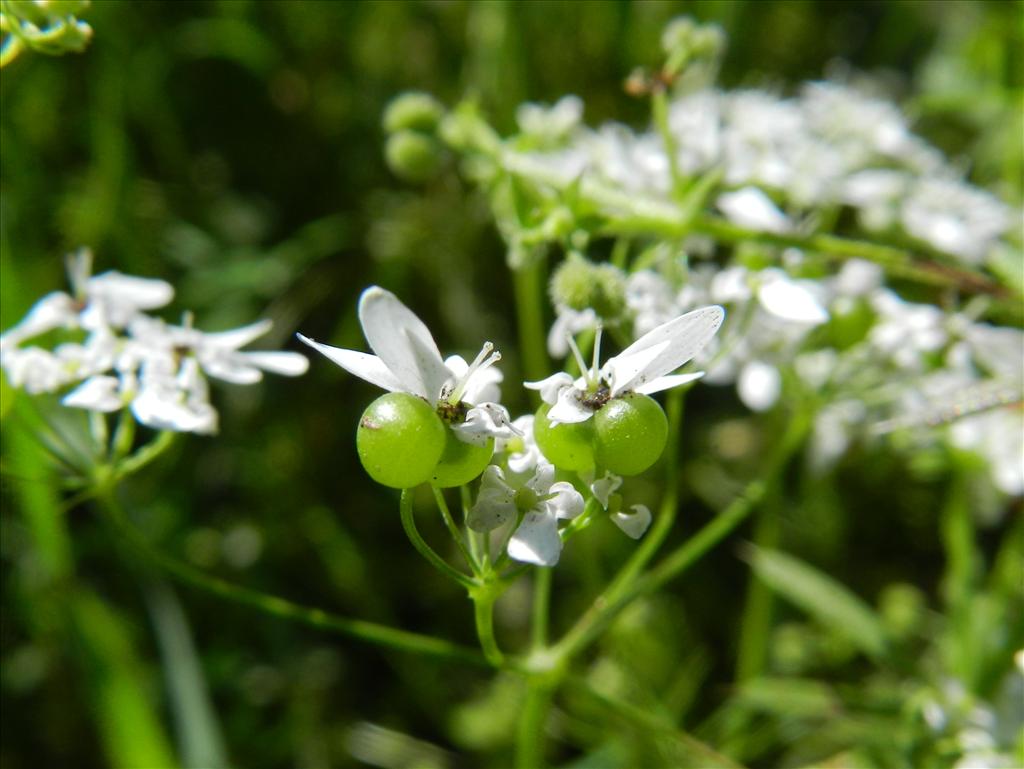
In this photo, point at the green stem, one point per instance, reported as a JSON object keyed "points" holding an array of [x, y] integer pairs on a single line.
{"points": [[409, 524], [483, 613], [757, 612], [603, 610], [449, 523], [541, 606], [530, 317], [532, 718], [281, 608], [659, 111]]}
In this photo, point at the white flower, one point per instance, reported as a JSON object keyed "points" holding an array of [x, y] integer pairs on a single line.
{"points": [[752, 209], [523, 454], [407, 360], [633, 524], [218, 353], [759, 385], [642, 367], [542, 505], [174, 400], [108, 300]]}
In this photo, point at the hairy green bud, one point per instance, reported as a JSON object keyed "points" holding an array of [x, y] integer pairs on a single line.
{"points": [[413, 156]]}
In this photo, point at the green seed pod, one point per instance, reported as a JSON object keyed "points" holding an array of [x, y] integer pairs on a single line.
{"points": [[400, 440], [629, 434], [461, 462], [566, 446], [415, 111], [413, 156]]}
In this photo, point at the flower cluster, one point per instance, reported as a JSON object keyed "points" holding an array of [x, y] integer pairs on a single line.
{"points": [[519, 498], [118, 356], [784, 161]]}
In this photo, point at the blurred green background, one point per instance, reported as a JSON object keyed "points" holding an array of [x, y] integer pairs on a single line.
{"points": [[234, 149]]}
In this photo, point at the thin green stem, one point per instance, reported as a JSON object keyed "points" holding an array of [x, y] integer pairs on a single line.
{"points": [[449, 522], [370, 632], [659, 111], [603, 610], [409, 524], [541, 607], [483, 613], [532, 718], [145, 455], [529, 291], [757, 612]]}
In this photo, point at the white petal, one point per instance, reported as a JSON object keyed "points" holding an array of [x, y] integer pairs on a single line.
{"points": [[283, 362], [495, 504], [633, 524], [542, 478], [759, 385], [786, 299], [667, 382], [604, 487], [403, 342], [536, 540], [53, 310], [98, 393], [751, 208], [365, 366], [236, 338], [488, 420], [230, 368], [569, 409], [550, 387], [127, 291], [685, 337], [568, 503]]}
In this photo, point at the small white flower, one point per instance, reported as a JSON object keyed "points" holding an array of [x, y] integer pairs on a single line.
{"points": [[407, 360], [541, 503], [218, 353], [642, 367], [169, 400], [759, 385], [633, 524], [788, 299], [523, 454], [752, 209], [109, 300]]}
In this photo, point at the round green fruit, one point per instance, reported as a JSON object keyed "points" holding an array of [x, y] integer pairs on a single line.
{"points": [[566, 446], [400, 440], [461, 462], [629, 434]]}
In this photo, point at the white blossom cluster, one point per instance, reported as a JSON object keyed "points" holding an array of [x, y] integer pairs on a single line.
{"points": [[913, 365], [123, 357], [782, 161]]}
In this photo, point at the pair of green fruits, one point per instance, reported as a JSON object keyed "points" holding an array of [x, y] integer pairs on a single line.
{"points": [[402, 442]]}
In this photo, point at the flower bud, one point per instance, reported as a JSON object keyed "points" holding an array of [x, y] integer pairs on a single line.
{"points": [[413, 111], [413, 156], [579, 284]]}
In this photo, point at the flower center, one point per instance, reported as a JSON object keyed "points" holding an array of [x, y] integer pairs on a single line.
{"points": [[526, 499], [487, 357]]}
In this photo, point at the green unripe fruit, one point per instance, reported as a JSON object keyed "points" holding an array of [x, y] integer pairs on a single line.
{"points": [[629, 434], [461, 462], [566, 446], [400, 440], [413, 156], [415, 111]]}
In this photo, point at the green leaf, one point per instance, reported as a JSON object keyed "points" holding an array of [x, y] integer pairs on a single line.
{"points": [[823, 598]]}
